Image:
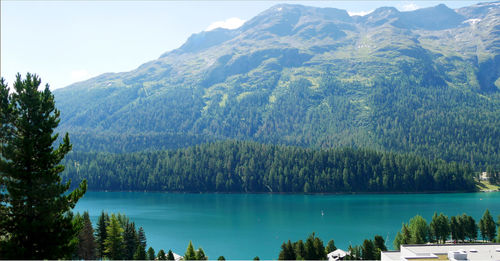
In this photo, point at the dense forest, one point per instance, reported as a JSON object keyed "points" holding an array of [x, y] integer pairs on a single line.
{"points": [[235, 166]]}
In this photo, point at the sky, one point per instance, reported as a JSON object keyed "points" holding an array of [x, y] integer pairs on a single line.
{"points": [[70, 41]]}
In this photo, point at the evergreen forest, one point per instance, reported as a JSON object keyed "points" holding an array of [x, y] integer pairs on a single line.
{"points": [[237, 166]]}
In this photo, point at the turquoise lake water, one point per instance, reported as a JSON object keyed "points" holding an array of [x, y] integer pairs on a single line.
{"points": [[242, 226]]}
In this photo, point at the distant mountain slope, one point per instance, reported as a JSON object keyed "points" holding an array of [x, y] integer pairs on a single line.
{"points": [[425, 81]]}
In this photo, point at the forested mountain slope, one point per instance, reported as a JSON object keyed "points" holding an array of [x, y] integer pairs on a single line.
{"points": [[233, 166], [425, 82]]}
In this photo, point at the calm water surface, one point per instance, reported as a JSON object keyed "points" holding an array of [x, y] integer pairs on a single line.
{"points": [[242, 226]]}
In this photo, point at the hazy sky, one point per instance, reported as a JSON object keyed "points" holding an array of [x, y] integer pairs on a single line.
{"points": [[70, 41]]}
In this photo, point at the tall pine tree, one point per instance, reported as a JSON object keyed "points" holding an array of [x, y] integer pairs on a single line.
{"points": [[141, 237], [140, 253], [487, 226], [162, 255], [114, 241], [368, 250], [200, 254], [5, 127], [190, 253], [151, 254], [86, 244], [130, 238], [170, 255], [101, 233], [38, 206]]}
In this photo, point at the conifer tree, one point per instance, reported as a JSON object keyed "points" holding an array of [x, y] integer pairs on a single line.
{"points": [[161, 255], [123, 220], [330, 246], [300, 250], [471, 228], [78, 225], [101, 233], [355, 252], [287, 252], [454, 228], [170, 255], [440, 228], [379, 243], [190, 253], [200, 254], [86, 244], [130, 238], [151, 254], [434, 228], [140, 253], [406, 235], [419, 230], [498, 234], [314, 248], [309, 247], [290, 251], [403, 237], [114, 241], [38, 203], [141, 237], [5, 131], [397, 241], [319, 249], [487, 226], [368, 250]]}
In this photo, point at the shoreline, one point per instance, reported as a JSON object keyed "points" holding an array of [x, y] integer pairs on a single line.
{"points": [[291, 193]]}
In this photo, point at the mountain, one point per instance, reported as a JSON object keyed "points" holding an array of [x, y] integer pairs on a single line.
{"points": [[425, 82]]}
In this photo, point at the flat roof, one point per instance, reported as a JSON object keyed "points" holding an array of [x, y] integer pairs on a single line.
{"points": [[487, 251], [391, 255]]}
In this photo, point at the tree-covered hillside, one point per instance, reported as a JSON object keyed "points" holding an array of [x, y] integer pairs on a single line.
{"points": [[424, 82], [233, 166]]}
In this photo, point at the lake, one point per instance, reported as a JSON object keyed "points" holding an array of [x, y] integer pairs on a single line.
{"points": [[242, 226]]}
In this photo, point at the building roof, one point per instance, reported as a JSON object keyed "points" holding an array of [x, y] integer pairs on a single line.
{"points": [[335, 255], [488, 251]]}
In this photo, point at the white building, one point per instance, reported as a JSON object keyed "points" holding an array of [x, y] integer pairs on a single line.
{"points": [[338, 254], [177, 257], [450, 252]]}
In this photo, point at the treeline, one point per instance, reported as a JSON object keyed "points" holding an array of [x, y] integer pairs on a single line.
{"points": [[116, 237], [314, 249], [459, 228], [417, 231], [369, 250], [235, 166]]}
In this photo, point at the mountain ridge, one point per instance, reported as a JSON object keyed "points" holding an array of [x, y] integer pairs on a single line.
{"points": [[316, 77]]}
